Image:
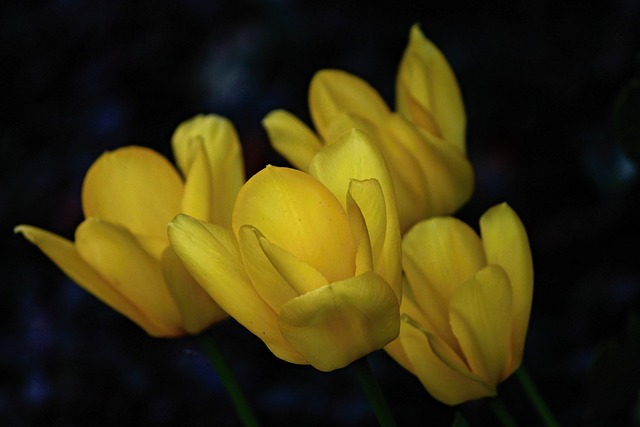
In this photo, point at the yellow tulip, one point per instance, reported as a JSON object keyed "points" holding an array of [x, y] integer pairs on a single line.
{"points": [[312, 264], [466, 304], [121, 252], [423, 142]]}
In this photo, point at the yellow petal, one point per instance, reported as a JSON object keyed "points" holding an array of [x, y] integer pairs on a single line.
{"points": [[360, 232], [339, 323], [442, 381], [197, 308], [439, 255], [296, 212], [407, 307], [385, 250], [265, 278], [333, 92], [290, 137], [426, 79], [506, 244], [405, 151], [134, 187], [481, 321], [356, 157], [210, 254], [345, 121], [116, 256], [426, 168], [450, 176], [300, 276], [64, 254], [224, 156], [198, 190]]}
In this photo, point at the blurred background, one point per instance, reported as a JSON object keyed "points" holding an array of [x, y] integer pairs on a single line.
{"points": [[552, 128]]}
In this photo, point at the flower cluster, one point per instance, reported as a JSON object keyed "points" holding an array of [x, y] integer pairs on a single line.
{"points": [[349, 253]]}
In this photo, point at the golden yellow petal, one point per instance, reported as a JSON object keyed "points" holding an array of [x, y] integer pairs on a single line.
{"points": [[481, 321], [115, 255], [507, 245], [367, 195], [224, 156], [405, 150], [425, 78], [356, 157], [292, 138], [134, 187], [300, 276], [198, 192], [197, 308], [210, 253], [429, 169], [333, 92], [448, 385], [265, 278], [339, 323], [296, 212], [64, 254], [360, 232], [439, 255], [345, 121], [450, 178]]}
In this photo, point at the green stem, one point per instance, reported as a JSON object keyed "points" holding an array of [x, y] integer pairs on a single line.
{"points": [[501, 412], [229, 381], [535, 398], [374, 394]]}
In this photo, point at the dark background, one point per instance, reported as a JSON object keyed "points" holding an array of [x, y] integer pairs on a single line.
{"points": [[539, 80]]}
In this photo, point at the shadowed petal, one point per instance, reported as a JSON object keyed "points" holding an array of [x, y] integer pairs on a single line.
{"points": [[426, 79], [339, 323], [506, 244], [439, 255], [197, 308], [437, 374], [64, 254], [116, 255], [481, 321]]}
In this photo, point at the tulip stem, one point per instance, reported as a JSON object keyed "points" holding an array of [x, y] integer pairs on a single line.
{"points": [[536, 398], [229, 381], [501, 412], [371, 388]]}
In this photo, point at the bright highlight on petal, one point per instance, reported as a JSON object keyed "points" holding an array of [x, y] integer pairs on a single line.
{"points": [[466, 304], [297, 213]]}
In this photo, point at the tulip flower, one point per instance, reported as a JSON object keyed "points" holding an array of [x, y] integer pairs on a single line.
{"points": [[312, 264], [121, 252], [466, 304], [423, 142]]}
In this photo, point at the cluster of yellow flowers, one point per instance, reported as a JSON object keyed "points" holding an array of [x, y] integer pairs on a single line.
{"points": [[350, 253]]}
